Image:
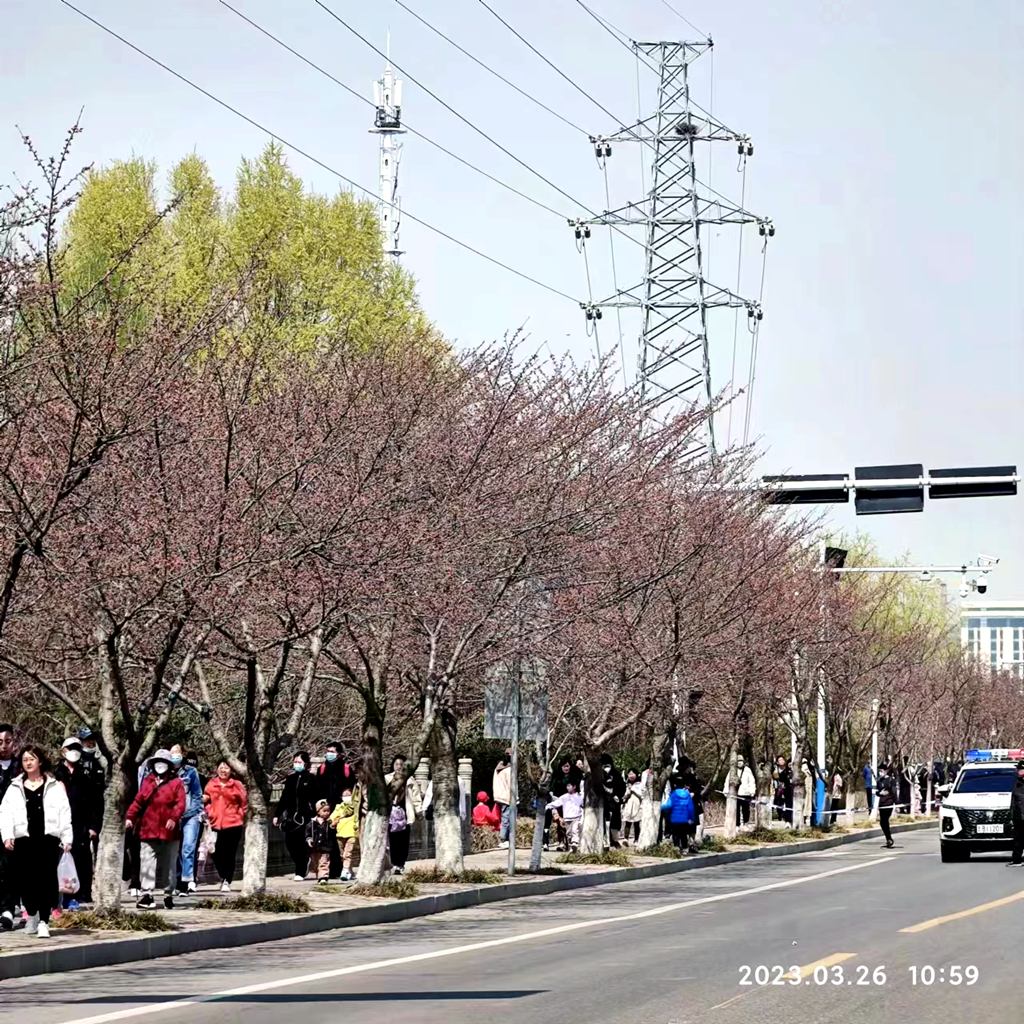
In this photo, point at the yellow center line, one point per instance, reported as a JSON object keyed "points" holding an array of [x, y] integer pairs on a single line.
{"points": [[805, 972], [970, 912]]}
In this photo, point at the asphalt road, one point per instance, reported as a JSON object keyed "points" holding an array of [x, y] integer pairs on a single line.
{"points": [[666, 951]]}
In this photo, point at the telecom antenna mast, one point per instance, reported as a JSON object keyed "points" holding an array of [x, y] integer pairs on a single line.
{"points": [[674, 297], [387, 123]]}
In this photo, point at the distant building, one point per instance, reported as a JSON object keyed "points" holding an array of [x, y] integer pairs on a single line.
{"points": [[993, 631]]}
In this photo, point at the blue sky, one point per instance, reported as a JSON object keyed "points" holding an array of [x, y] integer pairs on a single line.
{"points": [[889, 153]]}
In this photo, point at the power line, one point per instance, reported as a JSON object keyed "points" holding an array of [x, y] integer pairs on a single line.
{"points": [[683, 18], [465, 120], [554, 67], [497, 74], [617, 34], [365, 99], [309, 156]]}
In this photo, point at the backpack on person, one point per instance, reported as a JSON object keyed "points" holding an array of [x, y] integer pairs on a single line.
{"points": [[397, 821]]}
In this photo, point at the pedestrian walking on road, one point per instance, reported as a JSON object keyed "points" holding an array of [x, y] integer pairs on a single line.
{"points": [[294, 810], [191, 823], [9, 769], [746, 790], [226, 804], [345, 819], [35, 826], [1017, 816], [155, 816], [86, 818], [501, 787], [632, 808], [569, 808], [885, 793], [406, 806], [682, 813], [320, 838]]}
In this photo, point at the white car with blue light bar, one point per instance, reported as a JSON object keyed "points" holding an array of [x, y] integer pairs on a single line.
{"points": [[975, 812]]}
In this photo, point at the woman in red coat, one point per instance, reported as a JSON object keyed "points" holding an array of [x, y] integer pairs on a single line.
{"points": [[155, 815]]}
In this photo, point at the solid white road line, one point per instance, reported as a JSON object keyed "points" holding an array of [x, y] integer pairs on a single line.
{"points": [[377, 965]]}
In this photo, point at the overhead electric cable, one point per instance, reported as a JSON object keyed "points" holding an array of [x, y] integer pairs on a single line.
{"points": [[487, 67], [405, 124], [465, 120], [309, 156], [683, 18]]}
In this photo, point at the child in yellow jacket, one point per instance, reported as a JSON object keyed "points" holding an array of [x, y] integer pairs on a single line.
{"points": [[345, 819]]}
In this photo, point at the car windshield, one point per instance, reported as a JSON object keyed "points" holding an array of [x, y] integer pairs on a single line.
{"points": [[987, 780]]}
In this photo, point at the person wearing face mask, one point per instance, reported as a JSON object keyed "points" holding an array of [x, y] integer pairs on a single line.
{"points": [[155, 816], [746, 790], [191, 823], [294, 809], [1017, 817], [226, 803], [8, 770], [345, 819], [86, 818], [333, 776], [93, 769]]}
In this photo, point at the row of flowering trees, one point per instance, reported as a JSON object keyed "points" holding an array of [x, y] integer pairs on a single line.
{"points": [[192, 515]]}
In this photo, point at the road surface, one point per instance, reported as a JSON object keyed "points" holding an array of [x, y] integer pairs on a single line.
{"points": [[666, 951]]}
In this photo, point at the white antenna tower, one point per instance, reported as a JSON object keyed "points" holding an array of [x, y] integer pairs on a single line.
{"points": [[674, 297], [387, 123]]}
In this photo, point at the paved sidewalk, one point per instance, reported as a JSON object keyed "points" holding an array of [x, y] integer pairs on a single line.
{"points": [[197, 929]]}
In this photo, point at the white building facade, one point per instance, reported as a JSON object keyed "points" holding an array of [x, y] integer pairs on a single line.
{"points": [[993, 631]]}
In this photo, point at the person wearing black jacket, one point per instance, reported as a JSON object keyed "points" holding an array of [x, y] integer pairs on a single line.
{"points": [[294, 810], [333, 778], [86, 817], [1017, 816], [885, 794], [614, 786], [9, 767]]}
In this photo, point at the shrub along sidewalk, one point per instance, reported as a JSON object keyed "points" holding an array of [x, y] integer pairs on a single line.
{"points": [[214, 922]]}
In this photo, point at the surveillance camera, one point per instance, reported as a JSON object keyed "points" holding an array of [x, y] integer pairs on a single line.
{"points": [[925, 576], [981, 585], [963, 591]]}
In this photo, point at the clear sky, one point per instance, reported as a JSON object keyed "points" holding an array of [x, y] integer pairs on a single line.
{"points": [[889, 151]]}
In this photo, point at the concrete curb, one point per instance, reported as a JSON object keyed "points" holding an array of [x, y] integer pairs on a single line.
{"points": [[108, 952]]}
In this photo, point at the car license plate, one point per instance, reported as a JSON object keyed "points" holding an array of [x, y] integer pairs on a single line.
{"points": [[990, 829]]}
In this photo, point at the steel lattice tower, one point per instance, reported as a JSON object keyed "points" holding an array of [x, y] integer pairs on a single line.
{"points": [[674, 296], [387, 97]]}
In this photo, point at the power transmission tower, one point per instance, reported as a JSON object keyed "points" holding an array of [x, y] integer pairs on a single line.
{"points": [[387, 123], [674, 296]]}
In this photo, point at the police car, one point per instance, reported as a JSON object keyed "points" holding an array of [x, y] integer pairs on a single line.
{"points": [[975, 813]]}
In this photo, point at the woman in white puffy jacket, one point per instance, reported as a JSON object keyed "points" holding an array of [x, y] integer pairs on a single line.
{"points": [[35, 825]]}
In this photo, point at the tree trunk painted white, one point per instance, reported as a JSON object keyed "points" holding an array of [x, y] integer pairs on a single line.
{"points": [[762, 811], [650, 815], [257, 844], [448, 851], [110, 856], [851, 799], [729, 826], [373, 848], [592, 838], [799, 797]]}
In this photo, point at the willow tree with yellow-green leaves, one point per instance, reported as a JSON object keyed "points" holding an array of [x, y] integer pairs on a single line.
{"points": [[304, 269]]}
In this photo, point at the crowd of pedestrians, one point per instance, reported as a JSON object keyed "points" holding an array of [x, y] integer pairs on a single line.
{"points": [[177, 821]]}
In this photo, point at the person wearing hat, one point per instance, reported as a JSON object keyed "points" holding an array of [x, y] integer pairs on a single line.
{"points": [[86, 817], [155, 816], [1017, 816], [93, 770]]}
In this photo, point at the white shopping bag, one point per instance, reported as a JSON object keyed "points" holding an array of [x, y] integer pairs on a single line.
{"points": [[67, 875]]}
